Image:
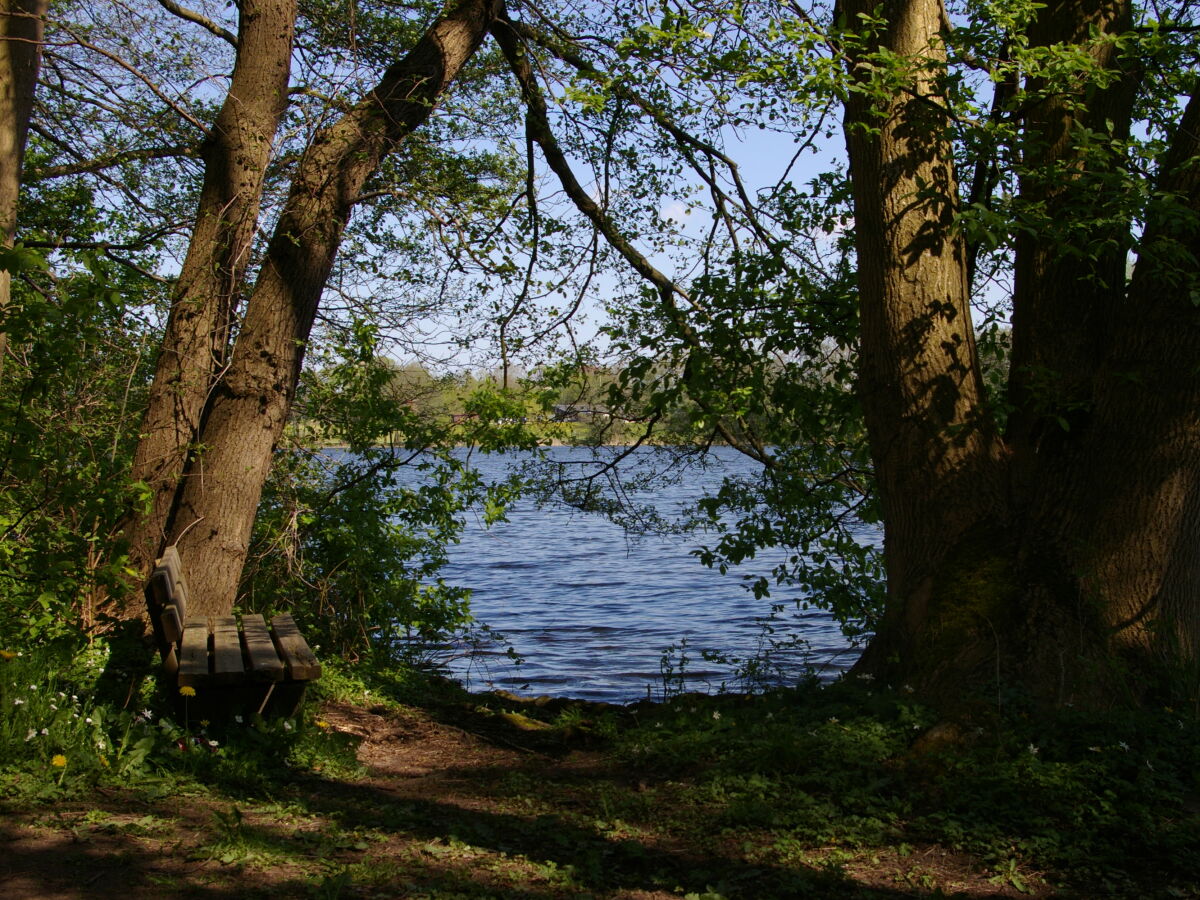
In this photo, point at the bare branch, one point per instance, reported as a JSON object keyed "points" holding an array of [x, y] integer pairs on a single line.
{"points": [[191, 15], [107, 162], [137, 73], [683, 138], [537, 126]]}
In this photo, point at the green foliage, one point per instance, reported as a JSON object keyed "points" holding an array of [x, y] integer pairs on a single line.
{"points": [[351, 538], [69, 395]]}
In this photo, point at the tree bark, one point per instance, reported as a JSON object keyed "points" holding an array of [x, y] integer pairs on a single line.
{"points": [[937, 457], [22, 23], [1062, 557], [235, 152], [250, 404]]}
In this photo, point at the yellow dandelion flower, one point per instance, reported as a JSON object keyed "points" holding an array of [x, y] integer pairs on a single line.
{"points": [[7, 654], [321, 723], [187, 691], [58, 761]]}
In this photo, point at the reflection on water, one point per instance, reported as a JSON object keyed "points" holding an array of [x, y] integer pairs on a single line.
{"points": [[592, 609]]}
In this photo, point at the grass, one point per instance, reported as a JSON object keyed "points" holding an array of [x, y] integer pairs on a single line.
{"points": [[837, 791]]}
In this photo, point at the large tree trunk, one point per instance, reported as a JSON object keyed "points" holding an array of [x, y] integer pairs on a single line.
{"points": [[195, 347], [1062, 557], [250, 404], [937, 458], [22, 23]]}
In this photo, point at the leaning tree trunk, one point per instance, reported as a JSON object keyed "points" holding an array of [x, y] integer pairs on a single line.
{"points": [[250, 404], [22, 23], [1062, 557], [235, 152]]}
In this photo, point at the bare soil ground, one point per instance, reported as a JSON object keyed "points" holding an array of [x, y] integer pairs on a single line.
{"points": [[443, 811]]}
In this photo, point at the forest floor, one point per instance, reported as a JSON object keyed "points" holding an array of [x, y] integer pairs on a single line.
{"points": [[447, 806], [411, 787]]}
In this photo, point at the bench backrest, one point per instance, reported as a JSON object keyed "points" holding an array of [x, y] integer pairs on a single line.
{"points": [[166, 601]]}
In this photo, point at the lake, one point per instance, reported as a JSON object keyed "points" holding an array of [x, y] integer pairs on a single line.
{"points": [[593, 609]]}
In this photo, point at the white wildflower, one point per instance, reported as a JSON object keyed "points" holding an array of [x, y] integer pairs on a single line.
{"points": [[1033, 749], [31, 735], [1124, 746], [716, 716], [18, 702], [238, 719], [833, 720]]}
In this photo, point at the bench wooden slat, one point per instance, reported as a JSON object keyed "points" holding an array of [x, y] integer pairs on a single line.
{"points": [[159, 589], [168, 591], [172, 563], [294, 650], [179, 597], [265, 664], [172, 625], [227, 664], [193, 652]]}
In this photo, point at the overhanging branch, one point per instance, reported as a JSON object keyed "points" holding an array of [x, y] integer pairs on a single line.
{"points": [[190, 15], [537, 125]]}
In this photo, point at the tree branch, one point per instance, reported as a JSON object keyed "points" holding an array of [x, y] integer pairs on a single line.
{"points": [[537, 126], [141, 76], [196, 18], [683, 138], [91, 166]]}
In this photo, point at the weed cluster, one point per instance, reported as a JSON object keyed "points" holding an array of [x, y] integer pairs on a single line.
{"points": [[59, 737]]}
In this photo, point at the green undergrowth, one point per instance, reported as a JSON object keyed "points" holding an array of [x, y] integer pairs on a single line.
{"points": [[1107, 801], [65, 732], [786, 793]]}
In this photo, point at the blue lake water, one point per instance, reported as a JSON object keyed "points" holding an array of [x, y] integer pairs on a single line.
{"points": [[592, 609]]}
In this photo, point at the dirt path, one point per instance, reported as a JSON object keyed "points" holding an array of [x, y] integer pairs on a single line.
{"points": [[445, 811]]}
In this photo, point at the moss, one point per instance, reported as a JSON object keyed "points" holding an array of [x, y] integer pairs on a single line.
{"points": [[977, 586]]}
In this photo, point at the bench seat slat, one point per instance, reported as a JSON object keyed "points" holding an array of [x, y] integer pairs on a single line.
{"points": [[265, 664], [193, 652], [227, 664], [294, 650]]}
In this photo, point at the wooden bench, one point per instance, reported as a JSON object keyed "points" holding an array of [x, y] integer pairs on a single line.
{"points": [[232, 667]]}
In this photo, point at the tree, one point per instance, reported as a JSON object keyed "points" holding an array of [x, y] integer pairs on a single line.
{"points": [[21, 25], [235, 152], [212, 514], [1057, 549], [213, 423], [1039, 532]]}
